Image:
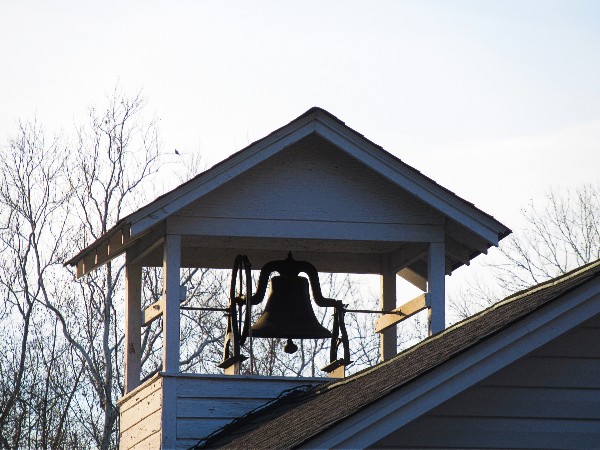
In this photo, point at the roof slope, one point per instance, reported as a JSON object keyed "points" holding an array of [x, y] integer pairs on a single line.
{"points": [[484, 227], [292, 420]]}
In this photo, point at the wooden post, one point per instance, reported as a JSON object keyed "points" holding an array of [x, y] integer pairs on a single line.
{"points": [[388, 345], [169, 413], [133, 322], [171, 266], [436, 272]]}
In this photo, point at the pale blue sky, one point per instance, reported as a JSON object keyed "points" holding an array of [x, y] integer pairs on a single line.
{"points": [[496, 101]]}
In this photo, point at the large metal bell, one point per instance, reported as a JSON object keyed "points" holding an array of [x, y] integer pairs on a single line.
{"points": [[288, 312]]}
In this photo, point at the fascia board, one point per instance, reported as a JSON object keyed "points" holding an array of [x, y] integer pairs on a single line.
{"points": [[417, 398], [407, 178], [158, 210]]}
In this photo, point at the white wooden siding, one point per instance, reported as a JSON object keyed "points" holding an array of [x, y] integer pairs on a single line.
{"points": [[205, 403], [549, 399], [313, 180]]}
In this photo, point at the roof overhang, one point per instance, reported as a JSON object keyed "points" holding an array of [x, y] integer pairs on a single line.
{"points": [[469, 231]]}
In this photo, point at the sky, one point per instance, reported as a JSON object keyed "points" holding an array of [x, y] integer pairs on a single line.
{"points": [[497, 101]]}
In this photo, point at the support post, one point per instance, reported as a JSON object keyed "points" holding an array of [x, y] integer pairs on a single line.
{"points": [[388, 345], [133, 322], [171, 266], [436, 272]]}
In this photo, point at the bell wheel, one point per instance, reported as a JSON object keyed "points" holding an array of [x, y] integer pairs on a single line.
{"points": [[240, 295]]}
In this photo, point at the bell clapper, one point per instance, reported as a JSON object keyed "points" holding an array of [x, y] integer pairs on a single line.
{"points": [[290, 347]]}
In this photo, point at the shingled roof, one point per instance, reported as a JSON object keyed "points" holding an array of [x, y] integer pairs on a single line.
{"points": [[299, 416]]}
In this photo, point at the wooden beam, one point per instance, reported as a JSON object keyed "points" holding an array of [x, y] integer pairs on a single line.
{"points": [[89, 262], [102, 252], [133, 344], [156, 309], [436, 272], [304, 229], [153, 312], [414, 278], [410, 308], [172, 283], [458, 251], [147, 243], [105, 251], [406, 255], [466, 236], [80, 269], [145, 247], [388, 343], [222, 258]]}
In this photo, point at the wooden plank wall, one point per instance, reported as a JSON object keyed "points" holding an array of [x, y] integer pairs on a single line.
{"points": [[205, 403], [313, 180], [140, 413], [549, 399]]}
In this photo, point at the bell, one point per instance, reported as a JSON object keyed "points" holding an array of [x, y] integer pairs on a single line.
{"points": [[288, 312]]}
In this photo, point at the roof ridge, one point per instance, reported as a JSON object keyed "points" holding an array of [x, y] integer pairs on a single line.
{"points": [[548, 283]]}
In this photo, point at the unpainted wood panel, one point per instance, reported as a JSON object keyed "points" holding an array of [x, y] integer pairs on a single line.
{"points": [[314, 180], [152, 442], [150, 425], [140, 395], [216, 408], [486, 433], [145, 407]]}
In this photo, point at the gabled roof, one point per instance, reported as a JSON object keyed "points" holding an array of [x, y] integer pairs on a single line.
{"points": [[298, 419], [464, 218]]}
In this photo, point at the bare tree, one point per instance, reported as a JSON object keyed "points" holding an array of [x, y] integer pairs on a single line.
{"points": [[115, 154], [559, 235], [33, 400]]}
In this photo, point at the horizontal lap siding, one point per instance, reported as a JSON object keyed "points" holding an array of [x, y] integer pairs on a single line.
{"points": [[140, 418], [490, 432], [313, 180], [501, 401], [205, 404], [550, 399]]}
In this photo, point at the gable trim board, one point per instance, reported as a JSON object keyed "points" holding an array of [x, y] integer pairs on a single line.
{"points": [[218, 175], [465, 220], [453, 377], [349, 141], [408, 178], [365, 408]]}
